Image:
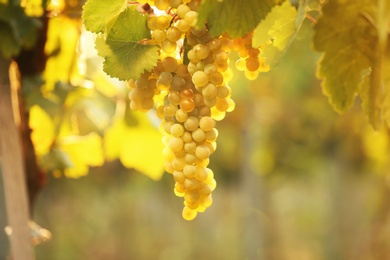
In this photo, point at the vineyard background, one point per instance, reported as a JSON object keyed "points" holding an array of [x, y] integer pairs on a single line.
{"points": [[295, 181]]}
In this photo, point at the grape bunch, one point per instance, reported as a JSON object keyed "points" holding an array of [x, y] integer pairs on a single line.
{"points": [[189, 90], [250, 61]]}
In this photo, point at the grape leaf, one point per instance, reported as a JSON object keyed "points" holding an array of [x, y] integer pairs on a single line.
{"points": [[137, 147], [386, 102], [43, 130], [9, 46], [17, 30], [83, 151], [97, 14], [62, 39], [280, 26], [348, 39], [236, 18], [128, 57]]}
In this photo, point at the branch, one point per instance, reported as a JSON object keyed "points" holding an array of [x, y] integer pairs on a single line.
{"points": [[13, 172]]}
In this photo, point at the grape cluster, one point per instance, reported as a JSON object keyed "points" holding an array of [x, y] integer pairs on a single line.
{"points": [[189, 89], [250, 62]]}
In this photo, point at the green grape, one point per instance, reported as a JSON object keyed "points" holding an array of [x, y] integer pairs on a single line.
{"points": [[217, 78], [192, 40], [168, 46], [201, 174], [220, 56], [191, 17], [187, 138], [214, 45], [251, 75], [181, 115], [168, 154], [192, 57], [174, 98], [158, 35], [170, 110], [173, 34], [182, 10], [165, 78], [241, 64], [177, 130], [217, 114], [191, 123], [167, 128], [190, 184], [210, 91], [178, 163], [200, 65], [210, 69], [189, 214], [178, 83], [202, 152], [223, 91], [198, 135], [201, 51], [210, 102], [175, 3], [190, 158], [190, 147], [200, 78], [222, 104], [204, 110], [163, 22], [170, 64], [179, 176], [206, 123], [192, 196], [189, 171], [183, 26], [232, 105], [161, 4]]}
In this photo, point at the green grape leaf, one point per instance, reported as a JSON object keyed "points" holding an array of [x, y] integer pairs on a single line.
{"points": [[386, 101], [102, 47], [128, 58], [236, 18], [279, 27], [83, 151], [347, 39], [138, 146], [9, 45], [17, 30], [97, 14], [43, 130]]}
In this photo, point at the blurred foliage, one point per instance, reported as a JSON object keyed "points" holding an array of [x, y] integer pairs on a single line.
{"points": [[79, 115], [295, 181]]}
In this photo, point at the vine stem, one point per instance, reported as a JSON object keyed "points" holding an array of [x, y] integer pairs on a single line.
{"points": [[13, 172]]}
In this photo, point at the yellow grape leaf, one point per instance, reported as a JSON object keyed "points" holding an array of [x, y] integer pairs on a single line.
{"points": [[61, 46], [279, 27], [42, 130], [109, 87], [386, 101], [376, 146], [236, 18], [113, 139], [353, 38], [137, 147], [83, 151]]}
